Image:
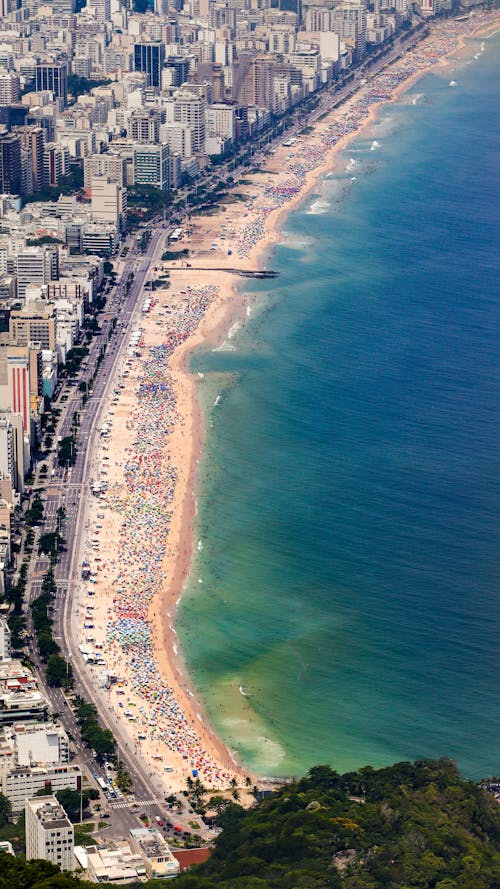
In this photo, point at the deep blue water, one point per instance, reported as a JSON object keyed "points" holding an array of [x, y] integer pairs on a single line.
{"points": [[348, 503]]}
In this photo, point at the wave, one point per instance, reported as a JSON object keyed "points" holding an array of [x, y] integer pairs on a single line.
{"points": [[234, 329], [318, 208]]}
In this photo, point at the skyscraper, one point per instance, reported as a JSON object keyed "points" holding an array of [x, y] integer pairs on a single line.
{"points": [[10, 164], [32, 140], [149, 56], [52, 76], [151, 165]]}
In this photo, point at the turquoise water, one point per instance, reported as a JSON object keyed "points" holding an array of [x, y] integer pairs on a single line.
{"points": [[348, 503]]}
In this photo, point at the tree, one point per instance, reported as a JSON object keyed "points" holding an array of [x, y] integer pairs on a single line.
{"points": [[59, 672], [47, 646], [70, 801], [123, 778], [5, 810]]}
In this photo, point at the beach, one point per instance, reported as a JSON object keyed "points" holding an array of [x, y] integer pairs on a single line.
{"points": [[139, 530]]}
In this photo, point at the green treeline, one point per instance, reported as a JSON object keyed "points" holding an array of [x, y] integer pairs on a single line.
{"points": [[410, 826]]}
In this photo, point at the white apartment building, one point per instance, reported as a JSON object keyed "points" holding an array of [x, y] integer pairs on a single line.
{"points": [[113, 166], [20, 700], [20, 783], [189, 109], [9, 88], [220, 121], [7, 467], [5, 646], [101, 9], [35, 265], [49, 832], [41, 742], [109, 201], [155, 852], [178, 138]]}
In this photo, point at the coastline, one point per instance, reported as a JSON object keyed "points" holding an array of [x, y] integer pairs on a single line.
{"points": [[268, 199]]}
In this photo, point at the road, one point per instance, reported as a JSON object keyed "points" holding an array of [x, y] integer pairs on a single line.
{"points": [[67, 489]]}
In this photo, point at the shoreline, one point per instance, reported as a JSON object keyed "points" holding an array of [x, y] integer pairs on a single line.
{"points": [[268, 201]]}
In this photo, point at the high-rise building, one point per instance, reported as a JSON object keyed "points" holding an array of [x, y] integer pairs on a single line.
{"points": [[34, 324], [349, 21], [151, 165], [10, 163], [109, 201], [101, 9], [55, 158], [36, 265], [220, 121], [49, 832], [161, 7], [144, 125], [189, 109], [5, 639], [8, 468], [32, 142], [178, 68], [113, 166], [13, 448], [149, 57], [9, 88], [53, 76]]}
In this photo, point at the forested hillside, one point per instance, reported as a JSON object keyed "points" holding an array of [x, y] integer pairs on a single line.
{"points": [[411, 825]]}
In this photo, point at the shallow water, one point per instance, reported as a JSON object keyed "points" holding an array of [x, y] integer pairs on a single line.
{"points": [[348, 502]]}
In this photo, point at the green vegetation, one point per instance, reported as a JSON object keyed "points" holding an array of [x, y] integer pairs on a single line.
{"points": [[66, 451], [71, 800], [34, 515], [172, 255], [410, 826], [123, 779], [83, 834], [68, 185], [78, 86], [45, 239], [59, 672], [18, 874], [99, 739]]}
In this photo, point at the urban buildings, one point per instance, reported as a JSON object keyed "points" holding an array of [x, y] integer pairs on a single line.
{"points": [[49, 832], [53, 77], [149, 57], [151, 163]]}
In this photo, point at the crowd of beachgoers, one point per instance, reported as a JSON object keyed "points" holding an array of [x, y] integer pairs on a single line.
{"points": [[307, 155], [142, 497]]}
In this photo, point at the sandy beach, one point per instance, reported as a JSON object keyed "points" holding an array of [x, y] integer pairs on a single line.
{"points": [[139, 529]]}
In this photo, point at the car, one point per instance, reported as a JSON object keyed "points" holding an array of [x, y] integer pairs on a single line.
{"points": [[105, 815], [158, 821]]}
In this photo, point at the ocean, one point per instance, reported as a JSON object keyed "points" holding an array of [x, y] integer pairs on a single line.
{"points": [[343, 602]]}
